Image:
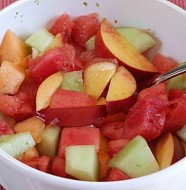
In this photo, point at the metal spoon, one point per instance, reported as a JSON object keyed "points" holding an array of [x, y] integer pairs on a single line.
{"points": [[166, 76]]}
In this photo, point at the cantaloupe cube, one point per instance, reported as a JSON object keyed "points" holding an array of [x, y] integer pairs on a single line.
{"points": [[12, 48], [40, 40], [29, 154], [34, 125], [11, 77]]}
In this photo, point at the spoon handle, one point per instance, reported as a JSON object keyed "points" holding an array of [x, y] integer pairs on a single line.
{"points": [[177, 71]]}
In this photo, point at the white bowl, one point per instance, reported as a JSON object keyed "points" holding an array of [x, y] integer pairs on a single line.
{"points": [[169, 25]]}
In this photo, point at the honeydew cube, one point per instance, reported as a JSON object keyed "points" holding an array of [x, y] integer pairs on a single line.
{"points": [[82, 162], [40, 40], [35, 53], [16, 144], [182, 133], [73, 81], [177, 82], [135, 159], [49, 141], [89, 45], [140, 39]]}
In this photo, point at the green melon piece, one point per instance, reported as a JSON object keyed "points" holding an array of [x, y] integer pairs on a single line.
{"points": [[82, 162], [49, 141], [136, 159], [89, 45], [140, 39], [177, 82], [73, 81], [182, 133], [40, 40], [16, 144]]}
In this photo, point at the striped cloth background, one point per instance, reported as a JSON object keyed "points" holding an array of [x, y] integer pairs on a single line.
{"points": [[181, 3], [4, 3]]}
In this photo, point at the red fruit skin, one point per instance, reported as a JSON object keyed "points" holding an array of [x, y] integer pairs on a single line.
{"points": [[102, 51], [179, 152], [118, 106], [74, 116], [146, 118], [85, 27], [5, 128], [70, 109]]}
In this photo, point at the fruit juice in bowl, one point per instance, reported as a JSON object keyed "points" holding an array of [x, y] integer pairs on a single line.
{"points": [[60, 112]]}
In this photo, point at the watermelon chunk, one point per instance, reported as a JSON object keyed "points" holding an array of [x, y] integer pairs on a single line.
{"points": [[5, 128], [163, 64], [85, 27], [58, 167], [67, 98], [115, 174], [176, 115], [78, 136], [146, 118]]}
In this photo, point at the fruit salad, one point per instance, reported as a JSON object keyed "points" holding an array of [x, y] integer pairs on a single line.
{"points": [[75, 101]]}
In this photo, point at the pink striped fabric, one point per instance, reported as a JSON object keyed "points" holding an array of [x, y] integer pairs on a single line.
{"points": [[181, 3], [4, 3]]}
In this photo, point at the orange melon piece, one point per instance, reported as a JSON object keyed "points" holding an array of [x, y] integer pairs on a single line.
{"points": [[34, 125], [12, 48], [11, 77], [29, 154], [103, 164]]}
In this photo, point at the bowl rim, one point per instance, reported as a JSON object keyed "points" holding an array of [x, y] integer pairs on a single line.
{"points": [[162, 174], [19, 2], [65, 181]]}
